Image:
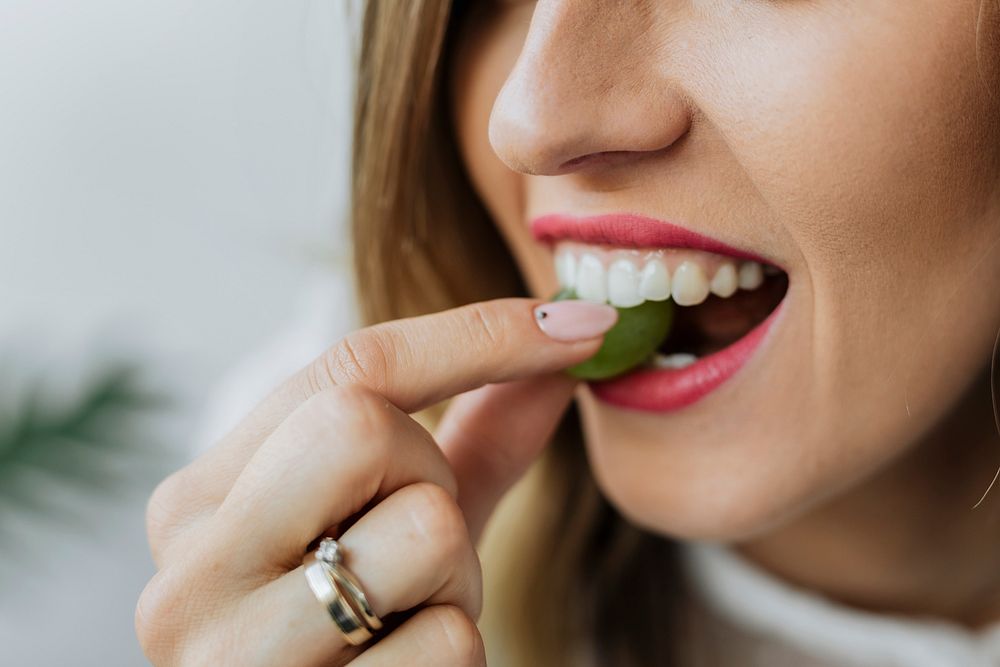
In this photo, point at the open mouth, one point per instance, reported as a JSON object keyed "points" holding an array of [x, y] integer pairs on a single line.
{"points": [[721, 299], [719, 321], [725, 299]]}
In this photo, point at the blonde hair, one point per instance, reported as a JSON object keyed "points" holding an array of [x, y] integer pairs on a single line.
{"points": [[564, 571]]}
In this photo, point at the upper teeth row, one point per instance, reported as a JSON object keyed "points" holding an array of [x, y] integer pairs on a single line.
{"points": [[624, 284]]}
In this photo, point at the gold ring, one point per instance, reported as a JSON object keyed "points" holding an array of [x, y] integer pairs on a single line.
{"points": [[339, 591], [348, 581]]}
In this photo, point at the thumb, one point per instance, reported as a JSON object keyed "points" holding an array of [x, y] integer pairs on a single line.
{"points": [[491, 436]]}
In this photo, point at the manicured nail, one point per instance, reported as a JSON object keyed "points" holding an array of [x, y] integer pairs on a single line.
{"points": [[575, 319]]}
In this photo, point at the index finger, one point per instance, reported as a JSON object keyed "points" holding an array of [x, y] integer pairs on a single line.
{"points": [[417, 362]]}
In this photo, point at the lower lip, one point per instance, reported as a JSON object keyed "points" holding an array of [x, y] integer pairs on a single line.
{"points": [[666, 390]]}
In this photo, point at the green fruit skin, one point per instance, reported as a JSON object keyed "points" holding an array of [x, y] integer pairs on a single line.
{"points": [[635, 336]]}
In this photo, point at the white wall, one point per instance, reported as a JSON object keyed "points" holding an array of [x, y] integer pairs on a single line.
{"points": [[172, 173]]}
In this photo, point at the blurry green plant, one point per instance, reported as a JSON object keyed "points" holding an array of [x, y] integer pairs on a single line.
{"points": [[93, 442]]}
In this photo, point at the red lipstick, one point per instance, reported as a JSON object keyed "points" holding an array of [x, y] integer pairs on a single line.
{"points": [[651, 389], [666, 390], [632, 231]]}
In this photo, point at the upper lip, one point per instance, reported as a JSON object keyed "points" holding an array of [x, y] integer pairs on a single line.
{"points": [[631, 230]]}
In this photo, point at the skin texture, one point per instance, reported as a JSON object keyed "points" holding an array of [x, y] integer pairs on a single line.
{"points": [[854, 143], [334, 451]]}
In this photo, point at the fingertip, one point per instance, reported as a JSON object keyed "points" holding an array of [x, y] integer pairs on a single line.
{"points": [[574, 320]]}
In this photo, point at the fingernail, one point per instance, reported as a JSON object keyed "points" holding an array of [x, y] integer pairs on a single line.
{"points": [[575, 319]]}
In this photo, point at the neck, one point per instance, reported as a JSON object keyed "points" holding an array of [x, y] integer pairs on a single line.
{"points": [[908, 540]]}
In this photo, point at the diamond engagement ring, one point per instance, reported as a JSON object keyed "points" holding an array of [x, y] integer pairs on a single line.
{"points": [[339, 591]]}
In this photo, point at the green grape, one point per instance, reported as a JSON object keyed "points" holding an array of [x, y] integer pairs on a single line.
{"points": [[635, 336]]}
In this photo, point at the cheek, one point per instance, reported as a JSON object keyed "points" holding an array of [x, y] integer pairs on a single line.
{"points": [[483, 60], [874, 141], [988, 45], [876, 146], [868, 139]]}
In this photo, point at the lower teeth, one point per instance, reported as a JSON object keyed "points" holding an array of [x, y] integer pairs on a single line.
{"points": [[672, 361]]}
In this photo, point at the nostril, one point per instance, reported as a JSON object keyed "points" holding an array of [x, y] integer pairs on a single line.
{"points": [[605, 158], [545, 123]]}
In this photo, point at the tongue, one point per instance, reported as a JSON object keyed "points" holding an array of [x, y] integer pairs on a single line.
{"points": [[726, 320]]}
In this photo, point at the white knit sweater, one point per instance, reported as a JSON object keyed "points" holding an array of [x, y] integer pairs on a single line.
{"points": [[753, 619]]}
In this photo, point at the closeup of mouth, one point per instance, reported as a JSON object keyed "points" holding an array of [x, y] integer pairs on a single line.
{"points": [[726, 299]]}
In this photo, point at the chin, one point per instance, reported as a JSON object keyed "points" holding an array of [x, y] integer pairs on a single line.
{"points": [[704, 477]]}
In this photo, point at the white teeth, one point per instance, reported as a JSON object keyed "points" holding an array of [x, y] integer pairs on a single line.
{"points": [[654, 282], [689, 285], [623, 285], [566, 269], [673, 361], [725, 282], [591, 283], [751, 275]]}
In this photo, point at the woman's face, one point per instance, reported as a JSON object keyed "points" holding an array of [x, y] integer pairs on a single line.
{"points": [[853, 144]]}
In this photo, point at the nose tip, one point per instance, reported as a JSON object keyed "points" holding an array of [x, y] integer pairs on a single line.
{"points": [[551, 127], [568, 104], [527, 140], [533, 139]]}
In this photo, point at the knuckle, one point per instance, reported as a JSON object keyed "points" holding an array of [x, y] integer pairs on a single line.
{"points": [[178, 611], [145, 625], [438, 520], [473, 587], [460, 636], [355, 410], [165, 510], [486, 325], [448, 479], [348, 405], [358, 358], [156, 625]]}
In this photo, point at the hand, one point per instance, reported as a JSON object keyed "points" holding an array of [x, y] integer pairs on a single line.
{"points": [[334, 451]]}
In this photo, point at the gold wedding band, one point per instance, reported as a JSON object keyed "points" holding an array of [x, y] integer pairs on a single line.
{"points": [[348, 581], [339, 591]]}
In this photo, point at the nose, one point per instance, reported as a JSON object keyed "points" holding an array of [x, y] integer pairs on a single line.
{"points": [[588, 87]]}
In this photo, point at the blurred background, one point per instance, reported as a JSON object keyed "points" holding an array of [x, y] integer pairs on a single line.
{"points": [[173, 178]]}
